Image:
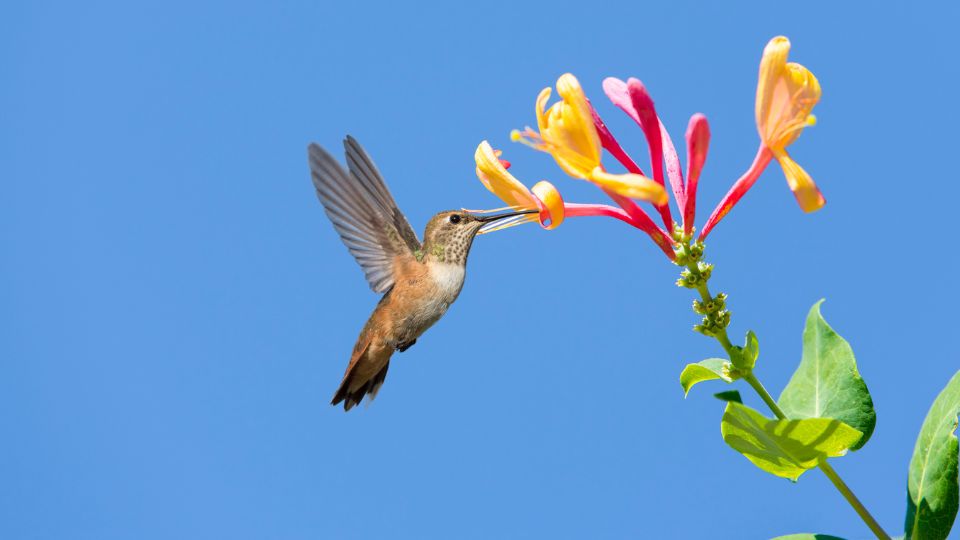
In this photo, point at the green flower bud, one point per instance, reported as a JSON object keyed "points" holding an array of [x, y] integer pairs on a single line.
{"points": [[705, 269], [696, 250]]}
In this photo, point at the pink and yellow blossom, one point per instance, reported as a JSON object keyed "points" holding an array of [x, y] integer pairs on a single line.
{"points": [[567, 132], [543, 196], [786, 95]]}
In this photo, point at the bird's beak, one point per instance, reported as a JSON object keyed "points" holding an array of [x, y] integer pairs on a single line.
{"points": [[488, 219]]}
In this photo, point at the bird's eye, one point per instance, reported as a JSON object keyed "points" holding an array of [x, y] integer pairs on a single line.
{"points": [[455, 218]]}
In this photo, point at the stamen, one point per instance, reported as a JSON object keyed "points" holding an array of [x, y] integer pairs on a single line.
{"points": [[529, 137]]}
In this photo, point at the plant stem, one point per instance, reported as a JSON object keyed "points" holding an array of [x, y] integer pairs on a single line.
{"points": [[853, 500], [758, 387], [824, 466]]}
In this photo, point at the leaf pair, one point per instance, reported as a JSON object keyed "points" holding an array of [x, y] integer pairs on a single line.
{"points": [[717, 368], [828, 407]]}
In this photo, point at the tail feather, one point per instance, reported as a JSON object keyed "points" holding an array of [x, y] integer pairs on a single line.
{"points": [[364, 376], [351, 398]]}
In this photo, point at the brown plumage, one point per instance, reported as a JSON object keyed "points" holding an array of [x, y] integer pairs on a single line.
{"points": [[419, 281]]}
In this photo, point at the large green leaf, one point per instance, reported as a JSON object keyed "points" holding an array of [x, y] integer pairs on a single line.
{"points": [[827, 384], [932, 491], [706, 370], [807, 536], [786, 448]]}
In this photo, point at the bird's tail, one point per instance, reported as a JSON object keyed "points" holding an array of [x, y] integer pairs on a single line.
{"points": [[365, 375]]}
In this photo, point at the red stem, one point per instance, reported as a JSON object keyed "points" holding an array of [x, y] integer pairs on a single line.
{"points": [[739, 189]]}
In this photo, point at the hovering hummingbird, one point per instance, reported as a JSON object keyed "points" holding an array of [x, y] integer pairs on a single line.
{"points": [[419, 281]]}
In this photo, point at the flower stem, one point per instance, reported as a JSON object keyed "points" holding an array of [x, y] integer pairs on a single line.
{"points": [[722, 337], [757, 386]]}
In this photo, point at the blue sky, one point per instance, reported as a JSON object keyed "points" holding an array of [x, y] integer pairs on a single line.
{"points": [[177, 310]]}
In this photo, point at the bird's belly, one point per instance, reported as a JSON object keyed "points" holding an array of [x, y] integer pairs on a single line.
{"points": [[447, 280]]}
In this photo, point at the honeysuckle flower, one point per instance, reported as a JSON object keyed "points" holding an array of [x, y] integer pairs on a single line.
{"points": [[786, 95], [611, 145], [698, 141], [632, 98], [567, 132], [543, 196]]}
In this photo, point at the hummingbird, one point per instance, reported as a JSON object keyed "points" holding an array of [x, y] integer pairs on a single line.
{"points": [[419, 281]]}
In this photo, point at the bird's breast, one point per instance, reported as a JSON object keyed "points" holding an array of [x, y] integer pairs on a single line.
{"points": [[448, 278], [416, 303]]}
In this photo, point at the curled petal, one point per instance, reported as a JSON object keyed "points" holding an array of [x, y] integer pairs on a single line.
{"points": [[698, 141], [630, 185], [566, 129], [541, 106], [551, 204], [801, 184], [494, 175]]}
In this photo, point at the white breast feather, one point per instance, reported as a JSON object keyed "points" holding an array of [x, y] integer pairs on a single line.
{"points": [[449, 278]]}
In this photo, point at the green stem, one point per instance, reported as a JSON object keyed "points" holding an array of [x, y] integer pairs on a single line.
{"points": [[827, 469], [758, 387], [853, 500]]}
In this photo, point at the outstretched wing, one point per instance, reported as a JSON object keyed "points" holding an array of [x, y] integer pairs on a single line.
{"points": [[363, 212]]}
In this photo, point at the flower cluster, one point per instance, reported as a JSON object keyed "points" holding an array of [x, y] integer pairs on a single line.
{"points": [[573, 133]]}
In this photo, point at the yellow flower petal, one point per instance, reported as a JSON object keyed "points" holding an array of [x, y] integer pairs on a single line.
{"points": [[541, 105], [552, 204], [577, 119], [566, 129], [498, 180], [786, 95], [634, 186], [802, 185], [771, 68]]}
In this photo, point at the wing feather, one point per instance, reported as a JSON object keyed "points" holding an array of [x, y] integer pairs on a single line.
{"points": [[363, 212], [366, 172]]}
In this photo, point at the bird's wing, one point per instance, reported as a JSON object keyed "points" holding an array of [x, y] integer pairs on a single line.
{"points": [[363, 212]]}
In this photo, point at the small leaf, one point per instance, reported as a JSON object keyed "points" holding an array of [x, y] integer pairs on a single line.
{"points": [[785, 448], [729, 395], [827, 383], [751, 350], [932, 490], [705, 370], [807, 536]]}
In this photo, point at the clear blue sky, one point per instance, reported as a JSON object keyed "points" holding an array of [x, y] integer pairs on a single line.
{"points": [[176, 310]]}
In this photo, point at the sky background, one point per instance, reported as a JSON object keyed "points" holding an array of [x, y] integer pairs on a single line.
{"points": [[176, 310]]}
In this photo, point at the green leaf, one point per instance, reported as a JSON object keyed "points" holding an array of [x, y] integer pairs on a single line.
{"points": [[932, 491], [706, 370], [807, 536], [751, 350], [786, 448], [729, 395], [827, 383]]}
